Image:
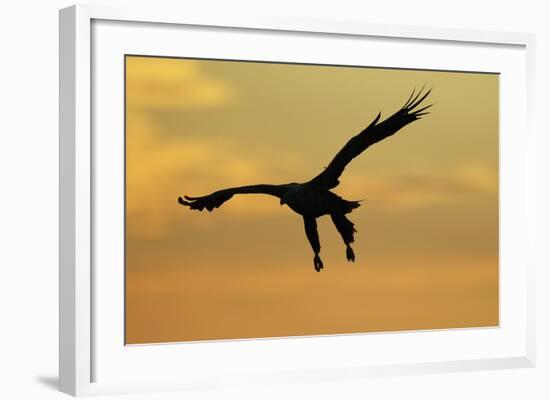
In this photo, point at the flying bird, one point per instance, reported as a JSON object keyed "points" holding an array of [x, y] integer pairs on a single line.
{"points": [[314, 198]]}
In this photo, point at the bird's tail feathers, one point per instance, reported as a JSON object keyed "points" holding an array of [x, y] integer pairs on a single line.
{"points": [[348, 206]]}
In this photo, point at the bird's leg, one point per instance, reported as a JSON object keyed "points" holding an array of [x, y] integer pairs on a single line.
{"points": [[310, 225], [346, 230]]}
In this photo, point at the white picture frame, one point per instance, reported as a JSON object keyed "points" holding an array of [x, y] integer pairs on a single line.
{"points": [[81, 342]]}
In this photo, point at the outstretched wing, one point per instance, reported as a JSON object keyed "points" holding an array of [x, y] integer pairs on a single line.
{"points": [[217, 198], [375, 132]]}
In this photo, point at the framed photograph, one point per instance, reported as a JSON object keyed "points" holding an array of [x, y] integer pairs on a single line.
{"points": [[277, 200]]}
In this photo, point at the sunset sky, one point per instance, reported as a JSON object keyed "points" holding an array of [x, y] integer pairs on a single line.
{"points": [[427, 240]]}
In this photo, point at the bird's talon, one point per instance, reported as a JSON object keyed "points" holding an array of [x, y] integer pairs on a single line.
{"points": [[318, 263], [350, 254]]}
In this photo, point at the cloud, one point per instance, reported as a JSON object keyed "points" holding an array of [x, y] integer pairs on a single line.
{"points": [[174, 83], [477, 177], [417, 189], [158, 171], [161, 170]]}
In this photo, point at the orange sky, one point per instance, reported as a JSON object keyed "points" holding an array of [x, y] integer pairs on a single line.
{"points": [[427, 241]]}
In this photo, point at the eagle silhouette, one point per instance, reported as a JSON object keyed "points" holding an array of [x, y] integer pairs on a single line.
{"points": [[314, 199]]}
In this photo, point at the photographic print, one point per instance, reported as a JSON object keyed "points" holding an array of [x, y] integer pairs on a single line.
{"points": [[271, 199]]}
